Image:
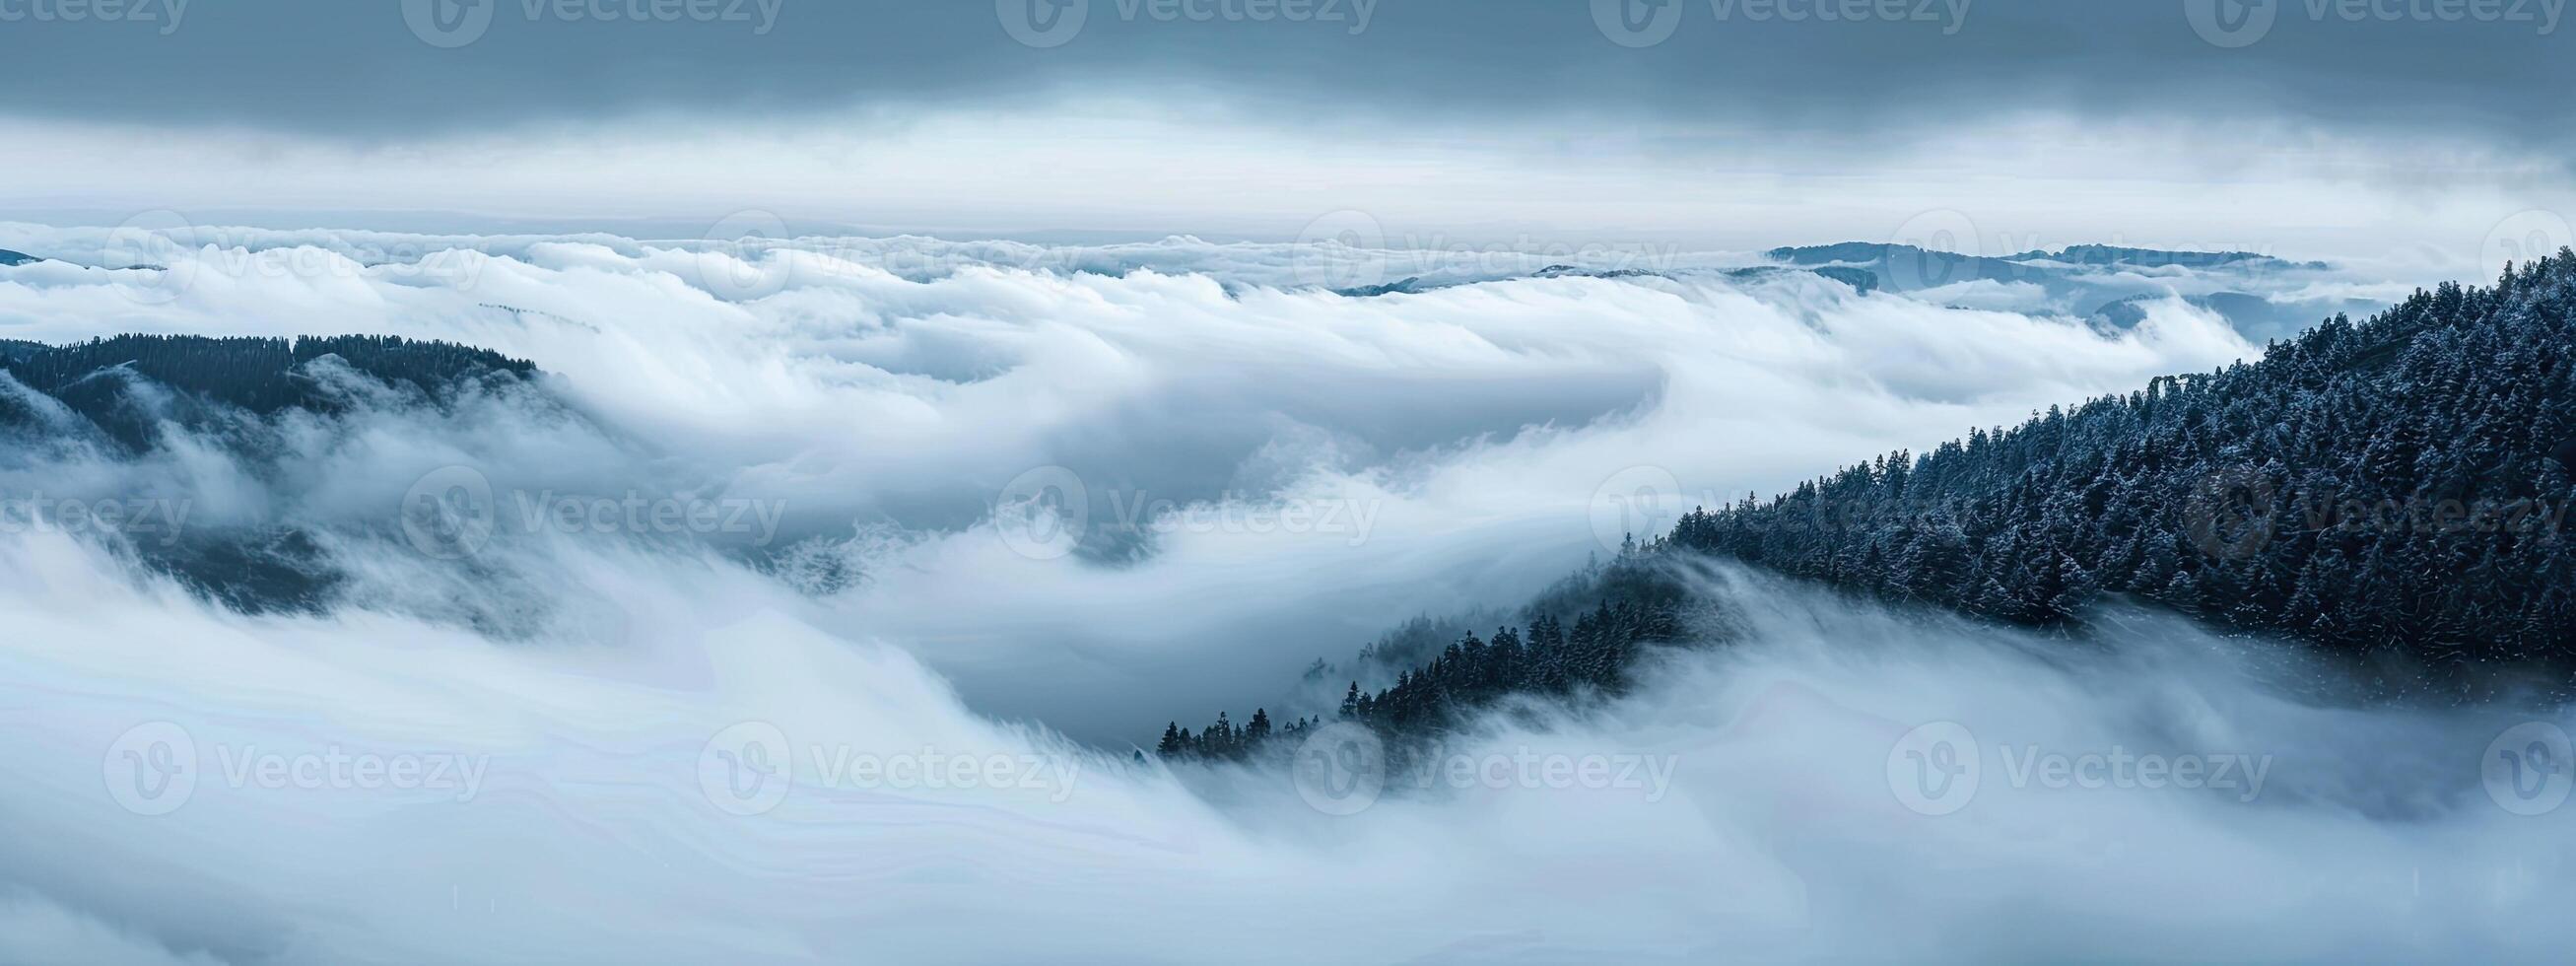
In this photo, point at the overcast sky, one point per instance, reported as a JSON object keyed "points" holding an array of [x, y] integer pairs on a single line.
{"points": [[2387, 128]]}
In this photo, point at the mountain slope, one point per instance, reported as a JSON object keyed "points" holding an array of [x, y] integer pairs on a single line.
{"points": [[100, 380], [2396, 487], [2396, 491], [134, 398]]}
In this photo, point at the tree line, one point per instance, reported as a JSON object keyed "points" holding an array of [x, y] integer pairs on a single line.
{"points": [[2395, 490], [1633, 603], [261, 375]]}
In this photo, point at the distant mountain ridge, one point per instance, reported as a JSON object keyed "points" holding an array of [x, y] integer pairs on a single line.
{"points": [[2116, 279], [2153, 257], [1863, 253], [1859, 279]]}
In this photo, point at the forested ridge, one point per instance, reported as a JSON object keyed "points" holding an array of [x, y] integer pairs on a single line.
{"points": [[2396, 486], [115, 393], [1578, 640], [260, 375], [2395, 491]]}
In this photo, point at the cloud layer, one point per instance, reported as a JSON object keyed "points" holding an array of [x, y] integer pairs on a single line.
{"points": [[1430, 452], [1028, 511]]}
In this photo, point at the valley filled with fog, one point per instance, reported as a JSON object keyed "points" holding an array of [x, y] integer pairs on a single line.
{"points": [[934, 538]]}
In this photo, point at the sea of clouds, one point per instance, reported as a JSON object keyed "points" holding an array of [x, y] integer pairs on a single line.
{"points": [[811, 604]]}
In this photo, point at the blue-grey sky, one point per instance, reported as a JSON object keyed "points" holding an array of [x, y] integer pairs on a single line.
{"points": [[358, 69], [1251, 117]]}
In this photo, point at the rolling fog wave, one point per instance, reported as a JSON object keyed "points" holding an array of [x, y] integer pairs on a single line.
{"points": [[1271, 472], [733, 780], [887, 718]]}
